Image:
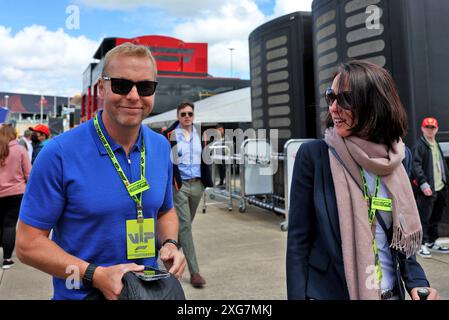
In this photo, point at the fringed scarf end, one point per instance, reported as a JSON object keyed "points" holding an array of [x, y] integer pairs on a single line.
{"points": [[408, 244]]}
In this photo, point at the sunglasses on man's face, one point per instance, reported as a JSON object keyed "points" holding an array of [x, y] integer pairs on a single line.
{"points": [[183, 114], [343, 98], [122, 87], [430, 127]]}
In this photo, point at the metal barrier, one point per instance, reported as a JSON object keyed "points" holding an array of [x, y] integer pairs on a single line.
{"points": [[221, 154], [256, 163], [256, 158], [291, 147]]}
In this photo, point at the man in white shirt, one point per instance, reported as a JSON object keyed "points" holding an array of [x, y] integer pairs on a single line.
{"points": [[26, 142]]}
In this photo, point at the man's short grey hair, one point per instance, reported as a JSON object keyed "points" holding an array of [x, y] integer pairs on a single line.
{"points": [[27, 133], [129, 49]]}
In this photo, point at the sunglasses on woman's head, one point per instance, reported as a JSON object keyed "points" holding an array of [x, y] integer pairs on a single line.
{"points": [[343, 98], [183, 114], [122, 87]]}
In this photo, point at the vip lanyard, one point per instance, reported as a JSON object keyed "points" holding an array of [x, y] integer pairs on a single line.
{"points": [[135, 188], [371, 215]]}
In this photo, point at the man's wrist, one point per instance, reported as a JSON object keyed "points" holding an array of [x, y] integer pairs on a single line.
{"points": [[98, 277], [171, 241], [88, 277]]}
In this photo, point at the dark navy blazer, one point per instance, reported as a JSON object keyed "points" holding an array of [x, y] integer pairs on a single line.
{"points": [[314, 255]]}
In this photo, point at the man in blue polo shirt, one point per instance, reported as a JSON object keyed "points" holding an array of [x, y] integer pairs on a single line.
{"points": [[105, 190]]}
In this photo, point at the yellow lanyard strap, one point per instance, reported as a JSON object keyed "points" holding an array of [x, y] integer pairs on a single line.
{"points": [[371, 215], [129, 187]]}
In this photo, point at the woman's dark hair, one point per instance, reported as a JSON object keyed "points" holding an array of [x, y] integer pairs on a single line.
{"points": [[184, 104], [377, 109]]}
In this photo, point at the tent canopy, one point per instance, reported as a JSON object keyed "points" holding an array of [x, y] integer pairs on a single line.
{"points": [[231, 106]]}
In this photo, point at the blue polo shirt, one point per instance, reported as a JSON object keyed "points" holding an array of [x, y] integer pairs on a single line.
{"points": [[75, 190]]}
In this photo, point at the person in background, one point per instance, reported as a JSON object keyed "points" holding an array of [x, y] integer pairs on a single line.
{"points": [[353, 231], [190, 176], [15, 168], [40, 137], [431, 177], [27, 143]]}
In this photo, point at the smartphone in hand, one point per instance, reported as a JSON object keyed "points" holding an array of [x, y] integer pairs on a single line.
{"points": [[151, 274]]}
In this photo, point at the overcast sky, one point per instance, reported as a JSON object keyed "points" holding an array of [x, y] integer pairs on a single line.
{"points": [[44, 49]]}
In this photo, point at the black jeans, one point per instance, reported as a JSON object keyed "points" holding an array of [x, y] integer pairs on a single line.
{"points": [[431, 210], [9, 214]]}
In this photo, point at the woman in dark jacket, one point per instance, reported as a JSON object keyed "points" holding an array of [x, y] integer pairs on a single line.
{"points": [[354, 228]]}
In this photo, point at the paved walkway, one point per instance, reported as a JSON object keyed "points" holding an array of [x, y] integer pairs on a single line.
{"points": [[241, 256]]}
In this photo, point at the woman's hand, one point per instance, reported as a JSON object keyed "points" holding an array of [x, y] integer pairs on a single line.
{"points": [[433, 293]]}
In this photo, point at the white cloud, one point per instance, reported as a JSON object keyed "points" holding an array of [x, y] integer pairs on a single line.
{"points": [[229, 26], [37, 60], [234, 20], [283, 7], [185, 8], [220, 59], [180, 8], [11, 73], [40, 61]]}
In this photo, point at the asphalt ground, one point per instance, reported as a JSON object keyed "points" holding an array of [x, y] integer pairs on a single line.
{"points": [[241, 256]]}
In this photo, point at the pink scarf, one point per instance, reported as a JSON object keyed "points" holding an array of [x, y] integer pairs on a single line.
{"points": [[356, 233]]}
